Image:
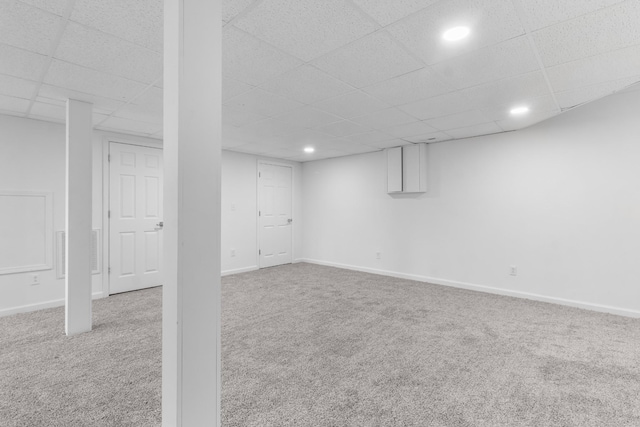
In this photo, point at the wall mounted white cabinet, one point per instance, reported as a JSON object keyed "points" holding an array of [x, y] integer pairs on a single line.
{"points": [[407, 169]]}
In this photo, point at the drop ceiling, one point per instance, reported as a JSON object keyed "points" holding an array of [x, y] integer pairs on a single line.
{"points": [[344, 76]]}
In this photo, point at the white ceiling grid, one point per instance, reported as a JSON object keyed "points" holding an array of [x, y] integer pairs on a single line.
{"points": [[346, 76]]}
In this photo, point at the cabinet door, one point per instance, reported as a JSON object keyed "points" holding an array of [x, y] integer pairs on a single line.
{"points": [[411, 168], [394, 170]]}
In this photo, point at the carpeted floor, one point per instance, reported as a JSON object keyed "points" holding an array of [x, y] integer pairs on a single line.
{"points": [[305, 345]]}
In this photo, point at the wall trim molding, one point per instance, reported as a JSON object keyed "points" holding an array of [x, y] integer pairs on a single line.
{"points": [[42, 305], [486, 289], [239, 270]]}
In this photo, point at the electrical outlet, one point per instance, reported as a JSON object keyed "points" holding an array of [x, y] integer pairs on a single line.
{"points": [[35, 279], [233, 252], [378, 255], [513, 270]]}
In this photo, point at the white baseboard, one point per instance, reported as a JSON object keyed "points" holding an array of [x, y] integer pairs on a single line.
{"points": [[487, 289], [42, 305], [239, 270]]}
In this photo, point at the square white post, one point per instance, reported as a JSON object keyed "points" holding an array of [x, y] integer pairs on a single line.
{"points": [[78, 217], [192, 144]]}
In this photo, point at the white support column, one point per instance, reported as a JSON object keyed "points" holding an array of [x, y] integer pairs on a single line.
{"points": [[78, 217], [192, 144]]}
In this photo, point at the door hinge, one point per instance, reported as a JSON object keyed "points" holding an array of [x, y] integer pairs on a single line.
{"points": [[259, 252], [108, 214], [109, 270], [259, 213], [108, 157], [259, 174]]}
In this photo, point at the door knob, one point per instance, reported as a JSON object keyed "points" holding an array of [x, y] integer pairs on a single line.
{"points": [[160, 225], [289, 220]]}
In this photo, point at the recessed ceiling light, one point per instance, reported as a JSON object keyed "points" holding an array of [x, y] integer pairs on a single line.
{"points": [[519, 111], [309, 149], [456, 33]]}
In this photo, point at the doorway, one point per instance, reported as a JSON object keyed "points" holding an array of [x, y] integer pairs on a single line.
{"points": [[135, 217], [275, 219]]}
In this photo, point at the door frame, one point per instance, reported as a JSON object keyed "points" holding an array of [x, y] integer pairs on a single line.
{"points": [[106, 193], [259, 229]]}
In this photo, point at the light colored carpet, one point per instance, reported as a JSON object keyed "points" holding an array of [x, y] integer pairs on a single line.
{"points": [[306, 345]]}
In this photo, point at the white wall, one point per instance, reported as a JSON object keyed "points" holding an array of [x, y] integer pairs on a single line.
{"points": [[239, 226], [560, 200], [32, 158]]}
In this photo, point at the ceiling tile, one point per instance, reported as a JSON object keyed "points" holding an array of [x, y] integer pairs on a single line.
{"points": [[538, 105], [20, 63], [307, 117], [151, 98], [307, 84], [139, 21], [45, 100], [99, 118], [344, 128], [490, 21], [272, 127], [410, 87], [475, 130], [609, 66], [241, 134], [252, 148], [429, 137], [509, 90], [306, 29], [250, 60], [140, 113], [542, 13], [282, 153], [119, 125], [369, 137], [104, 52], [74, 77], [232, 87], [61, 94], [27, 27], [385, 12], [300, 139], [14, 86], [437, 106], [231, 8], [48, 111], [354, 148], [397, 142], [261, 102], [318, 155], [574, 97], [54, 6], [608, 29], [13, 104], [454, 121], [410, 129], [384, 118], [238, 116], [369, 60], [506, 59], [351, 105], [513, 123]]}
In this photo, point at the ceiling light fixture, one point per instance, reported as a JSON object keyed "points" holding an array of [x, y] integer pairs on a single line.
{"points": [[309, 149], [517, 111], [456, 33]]}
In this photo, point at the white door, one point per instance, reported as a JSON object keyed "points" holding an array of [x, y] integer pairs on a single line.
{"points": [[274, 215], [135, 217]]}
